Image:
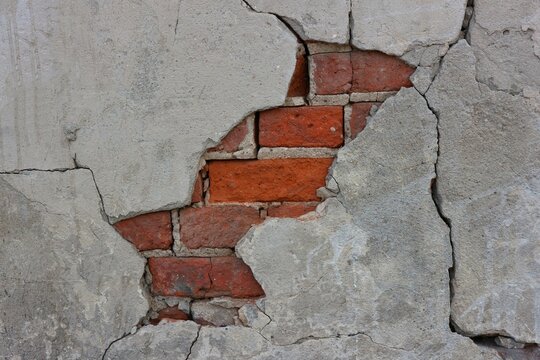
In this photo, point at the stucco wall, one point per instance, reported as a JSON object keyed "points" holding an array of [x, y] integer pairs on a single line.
{"points": [[274, 179]]}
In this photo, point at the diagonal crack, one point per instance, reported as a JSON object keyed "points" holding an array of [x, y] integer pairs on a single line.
{"points": [[193, 343]]}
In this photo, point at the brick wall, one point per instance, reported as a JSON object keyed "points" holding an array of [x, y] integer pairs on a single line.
{"points": [[270, 165]]}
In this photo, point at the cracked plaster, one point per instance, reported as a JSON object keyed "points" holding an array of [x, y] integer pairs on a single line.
{"points": [[70, 284], [369, 192], [130, 89]]}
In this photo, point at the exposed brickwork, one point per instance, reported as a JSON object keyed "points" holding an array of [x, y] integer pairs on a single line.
{"points": [[231, 142], [267, 180], [375, 71], [197, 190], [359, 114], [203, 277], [290, 210], [299, 85], [269, 166], [216, 226], [332, 73], [169, 314], [306, 126], [147, 232]]}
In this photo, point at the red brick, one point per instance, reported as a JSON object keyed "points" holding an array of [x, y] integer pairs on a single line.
{"points": [[216, 226], [267, 180], [290, 210], [332, 73], [203, 277], [169, 313], [299, 85], [232, 277], [232, 141], [147, 232], [359, 114], [375, 71], [306, 126], [197, 190]]}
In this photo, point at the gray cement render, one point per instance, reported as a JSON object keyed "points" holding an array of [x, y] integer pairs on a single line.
{"points": [[70, 284], [320, 20], [488, 188], [398, 26], [505, 37], [135, 91]]}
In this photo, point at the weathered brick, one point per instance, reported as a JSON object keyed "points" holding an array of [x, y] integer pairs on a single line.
{"points": [[290, 210], [306, 126], [299, 85], [267, 180], [203, 277], [239, 143], [359, 114], [232, 141], [216, 226], [332, 73], [170, 314], [197, 195], [147, 232], [375, 71]]}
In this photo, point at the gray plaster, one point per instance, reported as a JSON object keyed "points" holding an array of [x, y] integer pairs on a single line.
{"points": [[70, 283], [397, 26], [135, 91], [320, 20], [488, 188]]}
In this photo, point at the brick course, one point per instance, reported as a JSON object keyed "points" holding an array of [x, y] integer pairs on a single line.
{"points": [[305, 126], [299, 85], [203, 277], [290, 210], [267, 180], [216, 226], [359, 114], [332, 73], [374, 71], [148, 231]]}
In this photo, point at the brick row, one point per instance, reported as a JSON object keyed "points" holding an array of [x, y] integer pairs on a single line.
{"points": [[358, 71]]}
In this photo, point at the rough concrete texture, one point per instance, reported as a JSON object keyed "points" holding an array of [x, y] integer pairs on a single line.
{"points": [[396, 26], [161, 342], [133, 90], [488, 188], [505, 36], [181, 340], [362, 265], [321, 20], [136, 91], [70, 283]]}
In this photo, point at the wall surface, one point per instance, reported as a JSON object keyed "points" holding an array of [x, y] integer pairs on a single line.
{"points": [[270, 179]]}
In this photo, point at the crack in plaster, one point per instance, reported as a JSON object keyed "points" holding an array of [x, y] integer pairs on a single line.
{"points": [[193, 343]]}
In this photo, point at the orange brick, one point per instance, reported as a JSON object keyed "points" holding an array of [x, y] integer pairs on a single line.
{"points": [[359, 114], [216, 226], [170, 314], [374, 71], [306, 126], [203, 277], [148, 231], [299, 85], [267, 180], [232, 141], [332, 73], [290, 210], [197, 195]]}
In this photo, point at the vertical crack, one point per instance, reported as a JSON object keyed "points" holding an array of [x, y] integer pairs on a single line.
{"points": [[193, 343], [436, 197]]}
